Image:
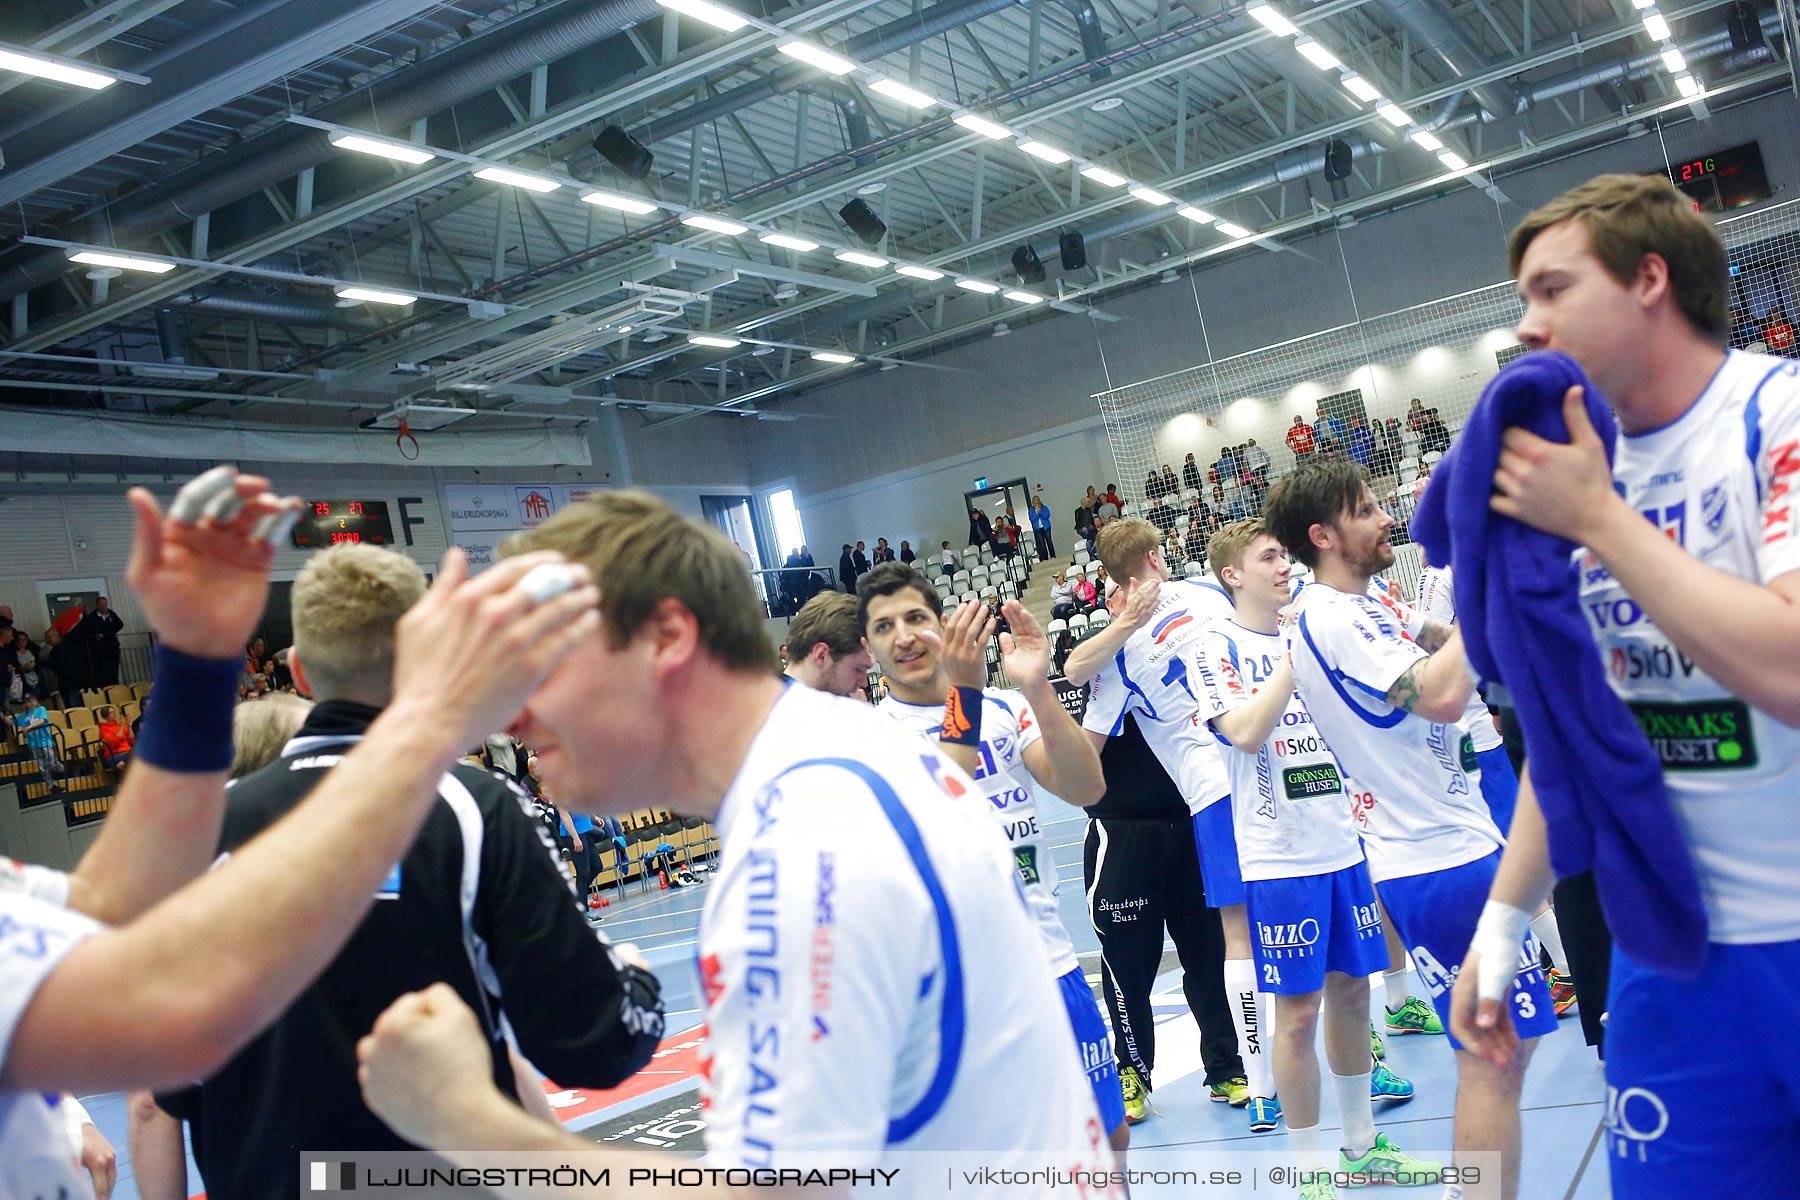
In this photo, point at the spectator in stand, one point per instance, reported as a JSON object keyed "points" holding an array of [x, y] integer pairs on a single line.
{"points": [[1743, 329], [34, 726], [1778, 333], [1257, 461], [1330, 431], [1110, 506], [1225, 466], [1091, 501], [847, 570], [100, 629], [1415, 415], [1362, 444], [1194, 545], [1390, 446], [859, 558], [12, 688], [116, 739], [906, 552], [1219, 503], [981, 530], [1039, 513], [1170, 485], [1300, 439], [1084, 593], [1085, 528], [259, 731], [1434, 438], [883, 553], [1113, 498], [1161, 515], [1190, 475], [66, 664], [947, 561], [1062, 598], [25, 662]]}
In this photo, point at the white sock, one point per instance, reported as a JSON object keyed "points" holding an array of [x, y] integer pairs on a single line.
{"points": [[1357, 1112], [1393, 983], [1248, 1012], [1545, 927], [1314, 1147]]}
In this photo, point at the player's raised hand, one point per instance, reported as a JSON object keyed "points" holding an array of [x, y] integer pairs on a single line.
{"points": [[1141, 595], [425, 1054], [1024, 652], [201, 571], [963, 647]]}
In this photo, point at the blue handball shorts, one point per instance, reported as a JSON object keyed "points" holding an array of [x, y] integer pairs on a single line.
{"points": [[1096, 1047], [1217, 842], [1436, 914], [1303, 927], [1499, 786], [1722, 1119]]}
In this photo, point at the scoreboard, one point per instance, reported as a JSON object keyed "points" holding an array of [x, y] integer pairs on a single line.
{"points": [[333, 522]]}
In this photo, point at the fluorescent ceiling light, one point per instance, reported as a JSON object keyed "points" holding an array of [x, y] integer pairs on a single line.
{"points": [[1049, 154], [1673, 61], [1103, 177], [701, 220], [1428, 140], [1363, 90], [1394, 115], [910, 97], [398, 151], [512, 178], [712, 14], [919, 272], [858, 258], [124, 262], [979, 124], [832, 356], [628, 204], [818, 56], [45, 67], [978, 285], [1453, 160], [1688, 86], [1199, 215], [1317, 55], [788, 243], [712, 341], [1642, 4], [1152, 196], [1025, 297], [375, 295], [1233, 231], [1271, 20], [1655, 26]]}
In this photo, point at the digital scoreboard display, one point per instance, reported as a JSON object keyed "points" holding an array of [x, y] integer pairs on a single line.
{"points": [[332, 522], [1723, 180]]}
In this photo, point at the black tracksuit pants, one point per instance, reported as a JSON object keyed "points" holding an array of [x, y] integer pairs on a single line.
{"points": [[1143, 873]]}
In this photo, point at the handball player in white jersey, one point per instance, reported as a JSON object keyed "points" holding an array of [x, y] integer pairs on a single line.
{"points": [[1314, 920], [873, 980], [1006, 738], [1139, 664], [1386, 687], [1690, 582]]}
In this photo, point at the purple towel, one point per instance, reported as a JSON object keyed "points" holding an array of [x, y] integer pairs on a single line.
{"points": [[1517, 602]]}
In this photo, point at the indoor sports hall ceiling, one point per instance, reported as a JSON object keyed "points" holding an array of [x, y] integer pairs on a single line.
{"points": [[1163, 132]]}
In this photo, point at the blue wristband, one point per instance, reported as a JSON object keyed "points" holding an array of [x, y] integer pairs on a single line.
{"points": [[962, 717], [187, 723]]}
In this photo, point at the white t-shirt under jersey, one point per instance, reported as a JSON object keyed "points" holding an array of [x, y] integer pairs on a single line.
{"points": [[1721, 480], [1437, 600], [1008, 728], [36, 933], [1422, 809], [873, 979], [1149, 677], [1289, 806]]}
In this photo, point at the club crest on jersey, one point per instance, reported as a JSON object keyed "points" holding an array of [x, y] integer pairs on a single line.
{"points": [[1713, 503]]}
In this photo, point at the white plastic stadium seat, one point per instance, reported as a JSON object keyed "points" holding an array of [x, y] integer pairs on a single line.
{"points": [[989, 592], [970, 554], [966, 597], [1081, 555], [961, 580], [1078, 624], [1093, 569], [1099, 619], [1057, 626], [1008, 591], [1072, 572], [1190, 494], [1193, 570]]}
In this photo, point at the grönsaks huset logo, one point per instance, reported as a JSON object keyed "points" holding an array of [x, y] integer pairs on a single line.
{"points": [[331, 1177]]}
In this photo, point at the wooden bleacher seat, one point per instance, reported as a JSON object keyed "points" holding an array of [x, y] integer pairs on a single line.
{"points": [[139, 690], [80, 718], [92, 697], [118, 693]]}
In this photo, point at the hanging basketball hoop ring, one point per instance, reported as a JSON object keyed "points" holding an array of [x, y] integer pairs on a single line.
{"points": [[404, 436]]}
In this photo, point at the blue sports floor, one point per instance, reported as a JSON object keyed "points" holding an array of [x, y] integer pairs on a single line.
{"points": [[1565, 1155]]}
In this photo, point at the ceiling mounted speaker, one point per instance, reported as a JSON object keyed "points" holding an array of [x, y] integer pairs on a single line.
{"points": [[1073, 249], [863, 222], [1338, 162], [624, 152], [1027, 266]]}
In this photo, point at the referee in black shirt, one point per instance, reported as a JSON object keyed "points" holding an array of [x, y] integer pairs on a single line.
{"points": [[1143, 874], [479, 902]]}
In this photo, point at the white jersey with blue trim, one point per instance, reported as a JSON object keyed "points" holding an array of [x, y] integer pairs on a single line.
{"points": [[1418, 805], [1437, 600], [35, 936], [1290, 807], [873, 979], [1721, 480], [1149, 677], [1008, 729]]}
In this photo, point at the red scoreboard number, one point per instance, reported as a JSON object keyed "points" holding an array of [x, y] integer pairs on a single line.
{"points": [[336, 522]]}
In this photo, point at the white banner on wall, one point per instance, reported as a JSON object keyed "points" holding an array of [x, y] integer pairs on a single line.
{"points": [[483, 515]]}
